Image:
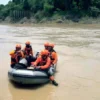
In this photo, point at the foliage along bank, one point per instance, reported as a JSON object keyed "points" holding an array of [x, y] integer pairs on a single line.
{"points": [[50, 9]]}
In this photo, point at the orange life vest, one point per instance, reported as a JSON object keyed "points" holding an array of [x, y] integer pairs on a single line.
{"points": [[53, 57], [13, 61], [44, 64]]}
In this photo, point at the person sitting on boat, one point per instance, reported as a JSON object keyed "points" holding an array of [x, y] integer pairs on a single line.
{"points": [[52, 53], [13, 58], [28, 49], [19, 53], [43, 63], [46, 45]]}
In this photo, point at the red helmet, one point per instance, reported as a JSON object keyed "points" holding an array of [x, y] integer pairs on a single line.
{"points": [[44, 52], [46, 44], [51, 45], [28, 42], [18, 46]]}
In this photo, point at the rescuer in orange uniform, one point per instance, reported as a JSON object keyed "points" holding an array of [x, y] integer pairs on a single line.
{"points": [[28, 49], [52, 54], [43, 63], [13, 58], [18, 53]]}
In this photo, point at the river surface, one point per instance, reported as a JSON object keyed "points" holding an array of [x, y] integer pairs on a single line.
{"points": [[78, 69]]}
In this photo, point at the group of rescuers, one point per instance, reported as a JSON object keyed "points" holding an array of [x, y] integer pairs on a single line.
{"points": [[43, 61]]}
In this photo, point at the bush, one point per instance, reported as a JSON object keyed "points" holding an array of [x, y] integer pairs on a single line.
{"points": [[39, 15], [48, 9], [96, 3], [94, 12]]}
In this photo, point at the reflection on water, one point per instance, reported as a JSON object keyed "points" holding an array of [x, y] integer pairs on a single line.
{"points": [[78, 69]]}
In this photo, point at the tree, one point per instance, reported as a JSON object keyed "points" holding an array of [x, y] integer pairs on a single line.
{"points": [[16, 1], [68, 4], [1, 7], [26, 5], [86, 4]]}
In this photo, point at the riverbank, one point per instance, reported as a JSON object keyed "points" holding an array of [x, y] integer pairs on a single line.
{"points": [[32, 20], [84, 23]]}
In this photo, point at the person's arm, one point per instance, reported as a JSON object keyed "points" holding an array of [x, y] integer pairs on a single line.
{"points": [[23, 50], [37, 61], [55, 59], [31, 52], [22, 54]]}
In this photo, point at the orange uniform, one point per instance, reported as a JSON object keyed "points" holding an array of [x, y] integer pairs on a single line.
{"points": [[16, 55], [43, 60], [54, 58], [44, 64], [52, 53], [28, 49], [13, 59]]}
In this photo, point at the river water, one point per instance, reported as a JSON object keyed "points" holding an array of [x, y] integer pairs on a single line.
{"points": [[78, 69]]}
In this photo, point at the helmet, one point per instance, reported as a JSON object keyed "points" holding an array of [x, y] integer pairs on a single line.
{"points": [[46, 44], [12, 52], [28, 43], [51, 45], [18, 46], [44, 52]]}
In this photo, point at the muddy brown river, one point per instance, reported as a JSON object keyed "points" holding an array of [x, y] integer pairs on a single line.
{"points": [[78, 69]]}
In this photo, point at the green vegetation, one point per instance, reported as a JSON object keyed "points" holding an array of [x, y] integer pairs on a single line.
{"points": [[52, 9]]}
